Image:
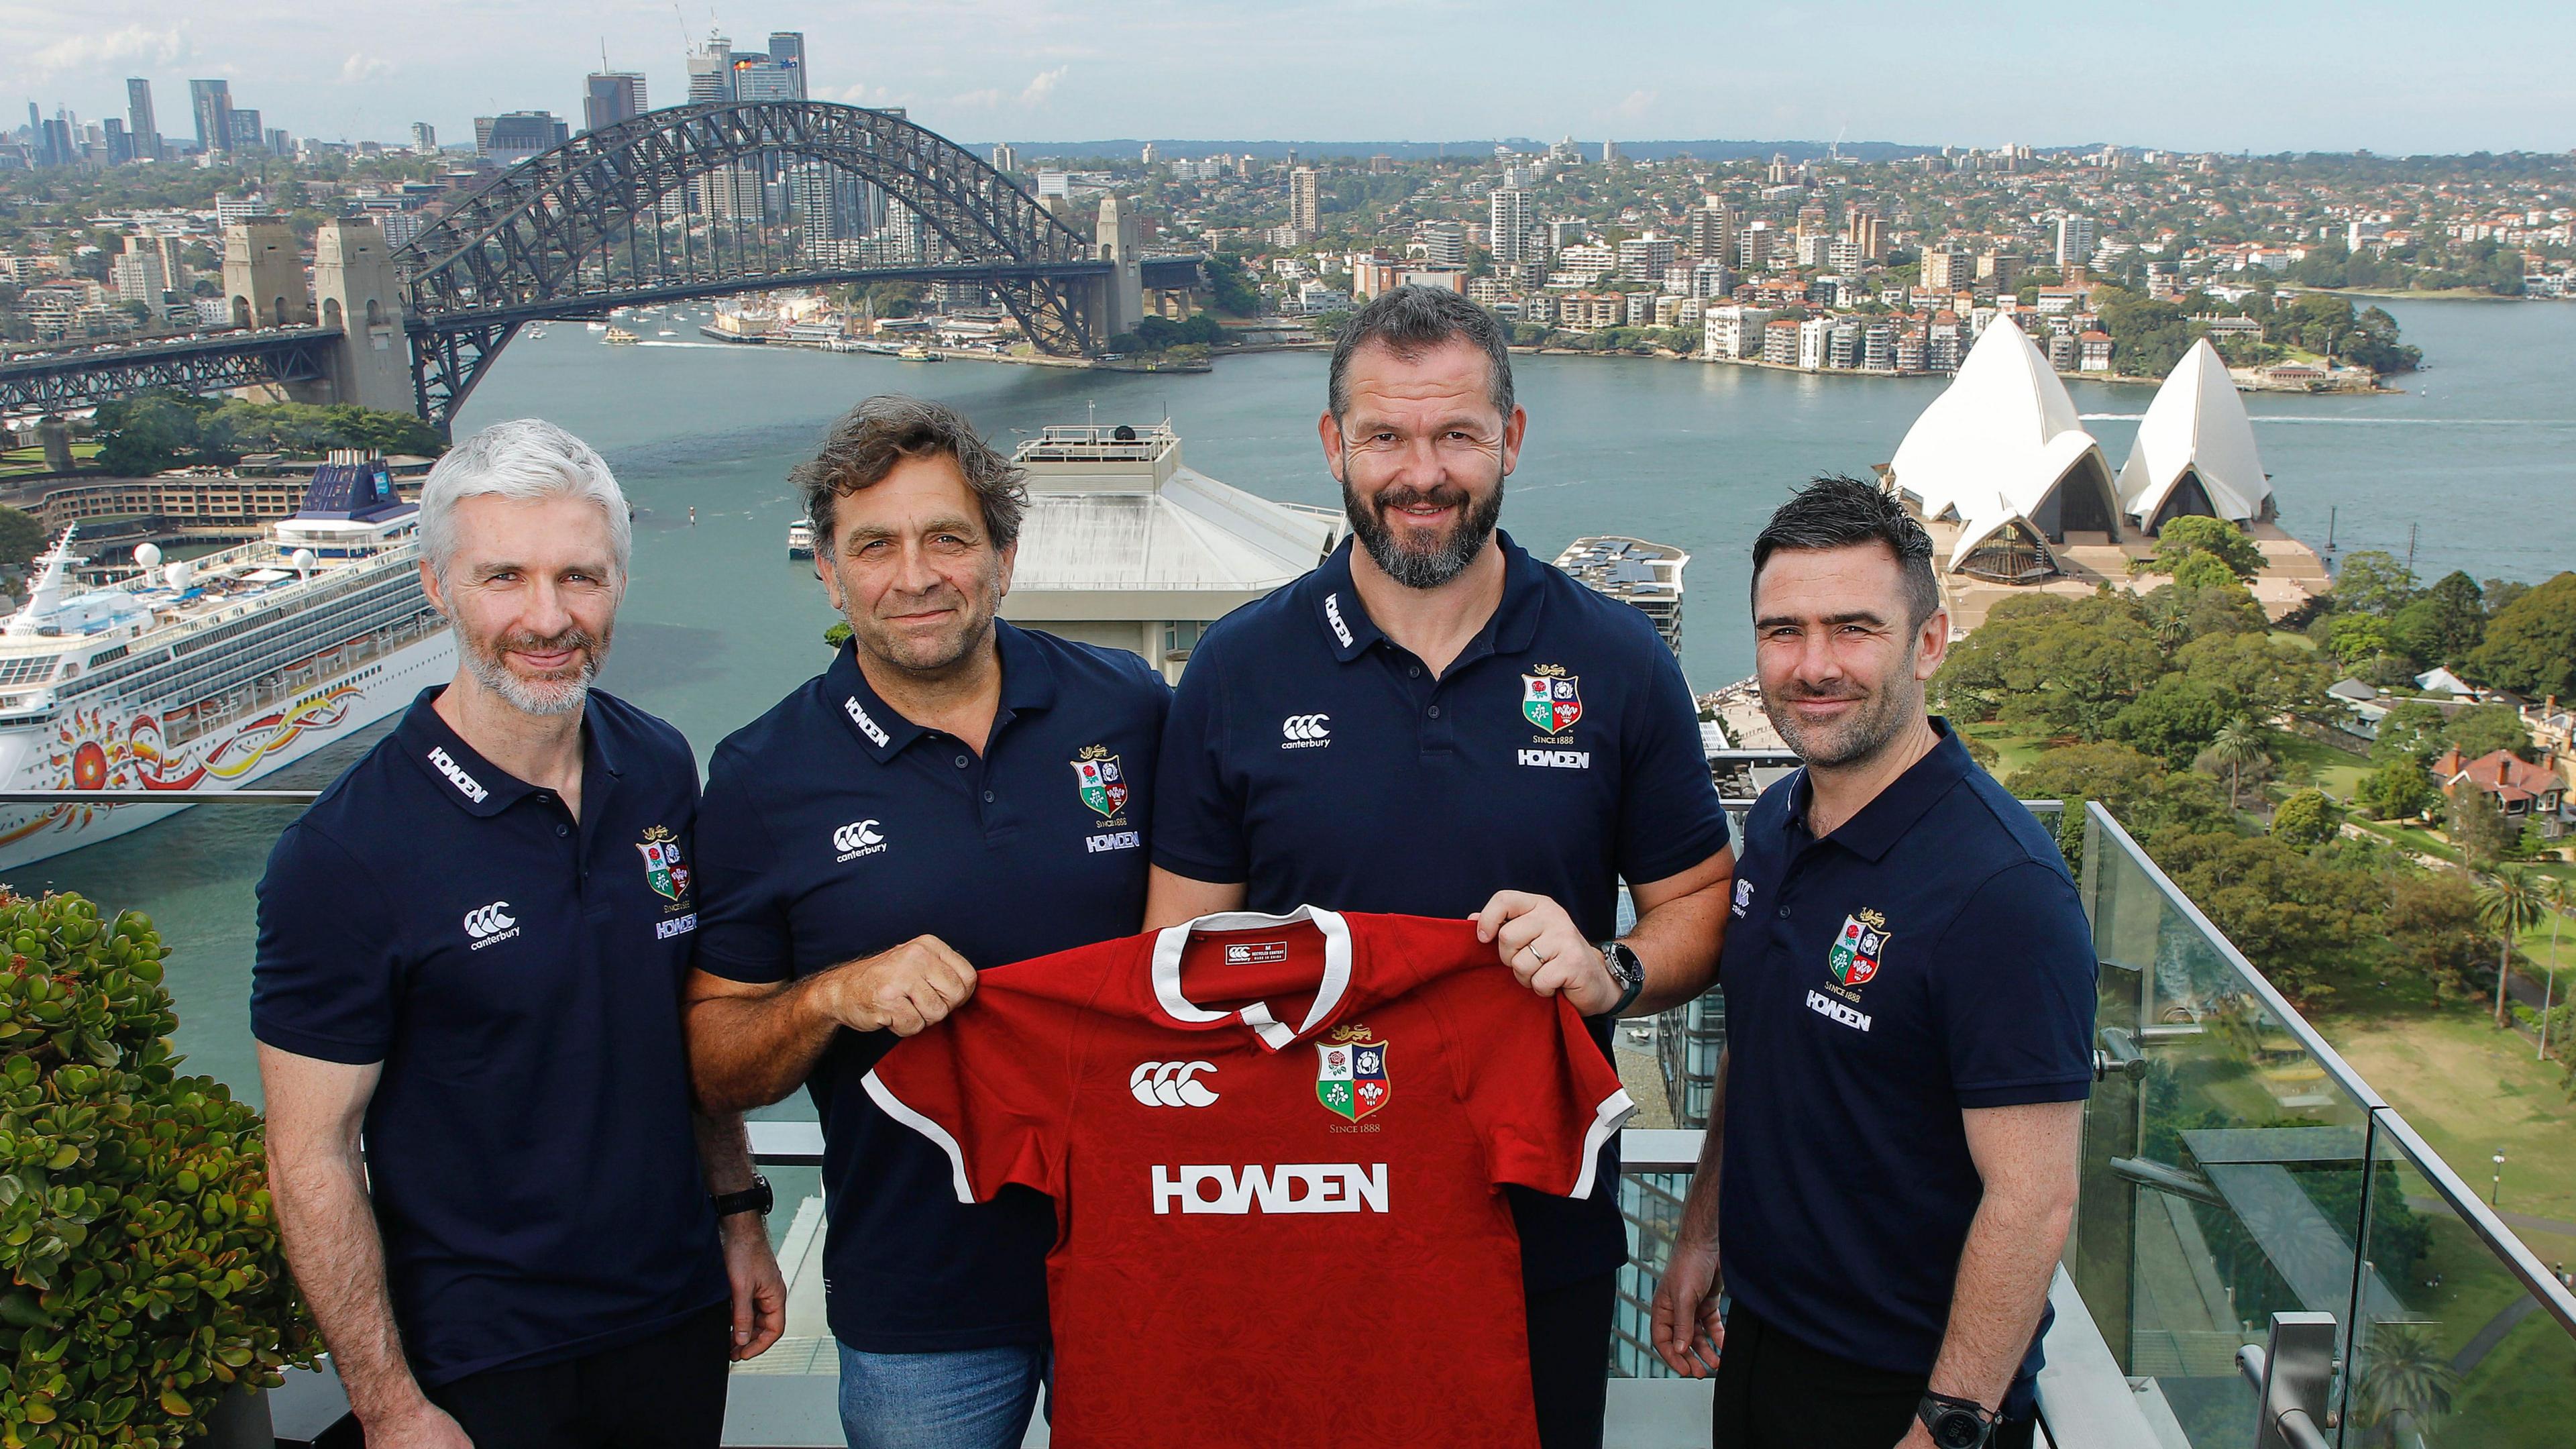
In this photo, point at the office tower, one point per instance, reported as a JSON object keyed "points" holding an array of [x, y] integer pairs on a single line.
{"points": [[1305, 201], [139, 121], [1509, 235], [1444, 243], [1609, 152], [424, 138], [1711, 232], [1755, 246], [242, 131], [2074, 241], [1867, 232], [483, 134], [212, 101], [787, 49], [762, 78], [611, 96], [711, 71], [1005, 158], [1944, 270], [54, 142], [514, 136], [139, 274], [280, 141]]}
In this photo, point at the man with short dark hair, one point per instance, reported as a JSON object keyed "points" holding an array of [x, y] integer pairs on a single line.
{"points": [[471, 949], [952, 793], [1909, 980], [1435, 723]]}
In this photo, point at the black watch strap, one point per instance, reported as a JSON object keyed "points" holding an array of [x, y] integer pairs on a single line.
{"points": [[1955, 1423], [756, 1198], [1628, 971]]}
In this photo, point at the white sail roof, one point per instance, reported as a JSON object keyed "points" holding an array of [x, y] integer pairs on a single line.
{"points": [[2196, 425], [2004, 426]]}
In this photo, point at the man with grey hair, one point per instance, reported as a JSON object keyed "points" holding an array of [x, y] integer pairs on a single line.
{"points": [[1435, 723], [902, 820], [471, 951]]}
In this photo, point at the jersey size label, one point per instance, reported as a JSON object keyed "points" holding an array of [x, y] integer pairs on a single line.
{"points": [[1256, 953]]}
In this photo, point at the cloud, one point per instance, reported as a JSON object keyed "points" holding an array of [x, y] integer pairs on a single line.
{"points": [[857, 93], [1634, 105], [359, 69], [984, 99], [114, 47], [1042, 85]]}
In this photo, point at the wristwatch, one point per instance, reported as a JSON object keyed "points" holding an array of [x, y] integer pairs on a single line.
{"points": [[756, 1198], [1625, 969], [1955, 1423]]}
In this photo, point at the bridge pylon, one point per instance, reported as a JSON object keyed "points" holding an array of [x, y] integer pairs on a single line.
{"points": [[353, 272]]}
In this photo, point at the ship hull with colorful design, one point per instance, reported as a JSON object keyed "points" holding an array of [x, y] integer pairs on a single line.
{"points": [[206, 676]]}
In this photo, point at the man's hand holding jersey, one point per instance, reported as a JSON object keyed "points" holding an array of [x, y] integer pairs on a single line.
{"points": [[1547, 951], [905, 990]]}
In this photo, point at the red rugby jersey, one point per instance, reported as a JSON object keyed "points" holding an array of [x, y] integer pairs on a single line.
{"points": [[1272, 1233]]}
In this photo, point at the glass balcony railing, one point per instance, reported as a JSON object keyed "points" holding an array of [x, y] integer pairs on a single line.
{"points": [[2256, 1226]]}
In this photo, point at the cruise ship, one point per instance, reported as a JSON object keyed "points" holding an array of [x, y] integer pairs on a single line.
{"points": [[203, 676]]}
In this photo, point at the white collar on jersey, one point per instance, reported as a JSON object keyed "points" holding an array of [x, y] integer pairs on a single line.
{"points": [[1168, 944]]}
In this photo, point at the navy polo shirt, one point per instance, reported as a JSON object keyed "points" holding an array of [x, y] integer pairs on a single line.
{"points": [[518, 973], [1319, 763], [834, 828], [1928, 956]]}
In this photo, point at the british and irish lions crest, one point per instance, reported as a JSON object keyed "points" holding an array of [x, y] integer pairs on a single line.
{"points": [[664, 870], [1350, 1072], [1102, 784], [1858, 949], [1551, 699]]}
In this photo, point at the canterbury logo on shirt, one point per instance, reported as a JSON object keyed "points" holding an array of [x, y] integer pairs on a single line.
{"points": [[1295, 1187], [466, 785], [1303, 731], [858, 838], [490, 925], [1172, 1084]]}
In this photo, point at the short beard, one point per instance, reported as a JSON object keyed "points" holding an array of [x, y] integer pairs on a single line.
{"points": [[1882, 716], [544, 698], [1431, 568]]}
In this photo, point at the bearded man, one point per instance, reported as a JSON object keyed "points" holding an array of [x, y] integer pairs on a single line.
{"points": [[471, 951], [1891, 1162], [1435, 723]]}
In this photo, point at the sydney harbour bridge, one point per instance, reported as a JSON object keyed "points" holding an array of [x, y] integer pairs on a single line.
{"points": [[663, 207]]}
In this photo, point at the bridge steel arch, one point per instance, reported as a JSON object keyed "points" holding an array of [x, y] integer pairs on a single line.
{"points": [[579, 230]]}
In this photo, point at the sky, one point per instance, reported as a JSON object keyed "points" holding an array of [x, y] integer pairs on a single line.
{"points": [[2182, 74]]}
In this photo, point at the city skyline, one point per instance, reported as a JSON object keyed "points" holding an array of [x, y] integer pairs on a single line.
{"points": [[2196, 77]]}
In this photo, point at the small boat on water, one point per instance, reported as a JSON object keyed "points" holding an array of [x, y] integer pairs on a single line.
{"points": [[918, 353], [800, 540], [667, 332], [596, 326], [619, 336]]}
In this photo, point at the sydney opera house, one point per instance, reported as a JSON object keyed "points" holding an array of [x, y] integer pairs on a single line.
{"points": [[2018, 495]]}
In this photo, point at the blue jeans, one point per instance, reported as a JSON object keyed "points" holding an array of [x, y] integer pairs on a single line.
{"points": [[976, 1398]]}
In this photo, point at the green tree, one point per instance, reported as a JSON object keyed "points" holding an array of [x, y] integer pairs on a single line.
{"points": [[2398, 790], [2139, 791], [2197, 570], [2173, 719], [2412, 731], [2509, 905], [2445, 623], [2240, 744], [2262, 676], [2558, 893], [2482, 729], [2296, 917], [2478, 826], [2307, 818], [2406, 1382], [2354, 637], [2373, 582], [2431, 926], [2066, 666], [2531, 642], [1230, 289], [2182, 537], [21, 537]]}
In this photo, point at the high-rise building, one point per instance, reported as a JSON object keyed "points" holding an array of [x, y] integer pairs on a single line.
{"points": [[1609, 152], [138, 275], [1005, 159], [1644, 258], [514, 136], [711, 71], [1754, 249], [1508, 237], [54, 142], [1444, 244], [787, 50], [1944, 270], [762, 78], [1305, 201], [424, 138], [212, 101], [242, 131], [1711, 236], [1868, 233], [611, 96], [2074, 241], [139, 121]]}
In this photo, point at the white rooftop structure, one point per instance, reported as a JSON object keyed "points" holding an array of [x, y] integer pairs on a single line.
{"points": [[2001, 454], [1124, 545], [2195, 450]]}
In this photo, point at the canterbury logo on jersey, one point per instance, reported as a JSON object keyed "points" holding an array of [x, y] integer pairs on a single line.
{"points": [[466, 785], [858, 838], [1306, 730], [490, 925], [1172, 1084], [859, 716], [1296, 1187]]}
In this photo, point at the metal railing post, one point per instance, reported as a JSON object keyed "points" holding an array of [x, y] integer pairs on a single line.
{"points": [[2292, 1378]]}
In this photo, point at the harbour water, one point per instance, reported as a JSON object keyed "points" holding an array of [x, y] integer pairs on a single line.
{"points": [[2479, 453]]}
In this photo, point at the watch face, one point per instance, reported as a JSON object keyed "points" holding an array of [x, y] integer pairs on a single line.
{"points": [[1958, 1429]]}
